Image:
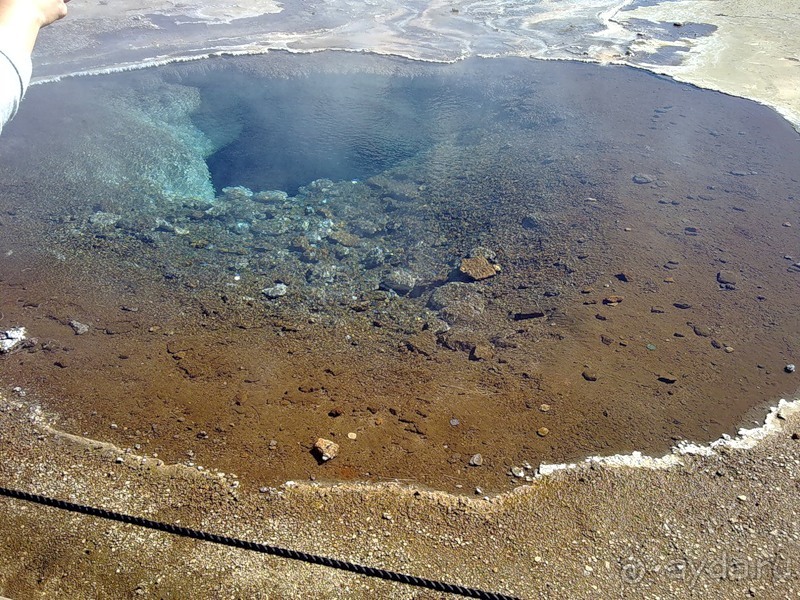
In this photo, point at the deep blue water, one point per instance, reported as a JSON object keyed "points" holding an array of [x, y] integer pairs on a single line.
{"points": [[291, 132]]}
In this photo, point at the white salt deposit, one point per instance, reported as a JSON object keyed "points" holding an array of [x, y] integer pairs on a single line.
{"points": [[744, 440]]}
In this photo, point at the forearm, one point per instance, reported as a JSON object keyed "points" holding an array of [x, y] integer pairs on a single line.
{"points": [[20, 22], [15, 73]]}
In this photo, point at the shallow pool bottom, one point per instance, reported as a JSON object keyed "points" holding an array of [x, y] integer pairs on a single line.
{"points": [[275, 249]]}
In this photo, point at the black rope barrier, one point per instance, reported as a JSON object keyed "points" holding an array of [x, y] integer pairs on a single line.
{"points": [[314, 559]]}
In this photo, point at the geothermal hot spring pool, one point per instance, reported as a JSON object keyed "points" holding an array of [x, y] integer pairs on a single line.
{"points": [[220, 261]]}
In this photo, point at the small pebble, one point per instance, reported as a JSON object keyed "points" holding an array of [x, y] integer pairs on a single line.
{"points": [[476, 460], [790, 368], [589, 375], [544, 408], [518, 472], [351, 436], [728, 349], [542, 431], [454, 422]]}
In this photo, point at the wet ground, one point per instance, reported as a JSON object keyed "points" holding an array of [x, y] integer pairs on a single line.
{"points": [[529, 261]]}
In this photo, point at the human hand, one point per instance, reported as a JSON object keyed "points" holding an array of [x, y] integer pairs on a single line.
{"points": [[36, 12], [50, 10], [20, 20]]}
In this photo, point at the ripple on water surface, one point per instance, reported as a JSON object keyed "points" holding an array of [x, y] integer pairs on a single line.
{"points": [[559, 258]]}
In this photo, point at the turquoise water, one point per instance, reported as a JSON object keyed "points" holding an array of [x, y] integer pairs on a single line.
{"points": [[257, 165]]}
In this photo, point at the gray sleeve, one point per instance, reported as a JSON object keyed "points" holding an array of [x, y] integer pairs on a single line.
{"points": [[15, 75]]}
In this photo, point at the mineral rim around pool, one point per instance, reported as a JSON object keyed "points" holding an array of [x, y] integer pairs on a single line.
{"points": [[270, 250]]}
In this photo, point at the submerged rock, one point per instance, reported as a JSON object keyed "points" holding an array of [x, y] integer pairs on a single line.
{"points": [[531, 222], [276, 291], [401, 281], [103, 220], [481, 352], [271, 196], [375, 257], [236, 193], [477, 268], [397, 189], [482, 252], [458, 302], [344, 238], [166, 226]]}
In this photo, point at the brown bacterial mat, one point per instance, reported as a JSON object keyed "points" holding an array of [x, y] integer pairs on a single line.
{"points": [[529, 261]]}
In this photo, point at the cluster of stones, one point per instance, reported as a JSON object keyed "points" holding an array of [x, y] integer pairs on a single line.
{"points": [[342, 243]]}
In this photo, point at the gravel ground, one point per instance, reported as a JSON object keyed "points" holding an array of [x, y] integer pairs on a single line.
{"points": [[719, 525]]}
